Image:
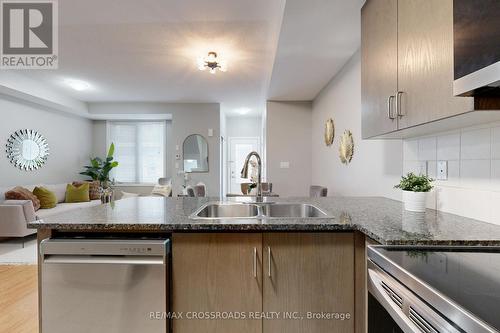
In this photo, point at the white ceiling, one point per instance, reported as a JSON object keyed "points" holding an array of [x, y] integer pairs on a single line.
{"points": [[131, 50], [317, 38]]}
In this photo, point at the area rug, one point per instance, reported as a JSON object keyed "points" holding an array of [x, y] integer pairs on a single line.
{"points": [[12, 252]]}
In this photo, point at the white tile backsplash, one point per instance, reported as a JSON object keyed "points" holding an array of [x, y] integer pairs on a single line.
{"points": [[476, 144], [495, 143], [475, 173], [410, 150], [473, 185], [495, 175], [448, 147], [427, 149], [453, 173], [432, 169]]}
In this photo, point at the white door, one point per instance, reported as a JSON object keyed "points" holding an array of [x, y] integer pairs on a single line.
{"points": [[238, 151]]}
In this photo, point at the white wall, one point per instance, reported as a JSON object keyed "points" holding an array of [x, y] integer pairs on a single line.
{"points": [[244, 127], [376, 166], [69, 138], [473, 155], [186, 119], [288, 139]]}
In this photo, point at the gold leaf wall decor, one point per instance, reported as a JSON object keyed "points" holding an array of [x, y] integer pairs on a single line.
{"points": [[346, 149], [329, 132]]}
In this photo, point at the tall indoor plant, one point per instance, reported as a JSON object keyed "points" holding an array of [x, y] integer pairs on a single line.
{"points": [[99, 168], [415, 189]]}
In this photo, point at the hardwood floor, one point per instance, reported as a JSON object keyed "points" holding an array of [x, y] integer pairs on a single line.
{"points": [[18, 299]]}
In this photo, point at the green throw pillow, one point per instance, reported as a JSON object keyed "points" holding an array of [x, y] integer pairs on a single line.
{"points": [[47, 198], [77, 193]]}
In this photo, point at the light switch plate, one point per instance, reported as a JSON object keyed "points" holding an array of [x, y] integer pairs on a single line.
{"points": [[442, 170], [210, 132], [284, 165]]}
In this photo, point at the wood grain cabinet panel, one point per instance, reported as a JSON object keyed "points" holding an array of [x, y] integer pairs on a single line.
{"points": [[425, 62], [215, 272], [379, 66], [308, 272]]}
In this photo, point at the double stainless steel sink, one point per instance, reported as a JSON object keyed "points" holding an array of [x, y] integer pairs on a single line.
{"points": [[225, 210]]}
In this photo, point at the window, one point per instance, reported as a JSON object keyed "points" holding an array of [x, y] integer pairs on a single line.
{"points": [[139, 150]]}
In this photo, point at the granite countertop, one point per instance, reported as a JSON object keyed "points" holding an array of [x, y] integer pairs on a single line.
{"points": [[381, 219]]}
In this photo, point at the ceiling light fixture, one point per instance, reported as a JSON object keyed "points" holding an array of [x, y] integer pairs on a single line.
{"points": [[77, 85], [212, 63], [243, 111]]}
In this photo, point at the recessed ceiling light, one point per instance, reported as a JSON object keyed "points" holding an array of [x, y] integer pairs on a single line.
{"points": [[243, 111], [78, 85]]}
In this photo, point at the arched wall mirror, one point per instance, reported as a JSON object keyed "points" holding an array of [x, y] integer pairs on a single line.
{"points": [[195, 153]]}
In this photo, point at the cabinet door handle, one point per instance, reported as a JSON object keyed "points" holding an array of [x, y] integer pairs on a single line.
{"points": [[254, 262], [269, 261], [399, 109], [389, 107]]}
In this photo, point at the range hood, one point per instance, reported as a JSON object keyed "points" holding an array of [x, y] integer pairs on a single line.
{"points": [[476, 31]]}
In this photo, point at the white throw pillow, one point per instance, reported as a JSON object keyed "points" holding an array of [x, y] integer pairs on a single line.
{"points": [[162, 190]]}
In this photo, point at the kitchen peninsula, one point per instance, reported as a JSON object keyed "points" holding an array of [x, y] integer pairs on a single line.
{"points": [[294, 265]]}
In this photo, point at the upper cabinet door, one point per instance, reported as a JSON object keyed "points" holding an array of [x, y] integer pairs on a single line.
{"points": [[308, 272], [425, 63], [379, 46]]}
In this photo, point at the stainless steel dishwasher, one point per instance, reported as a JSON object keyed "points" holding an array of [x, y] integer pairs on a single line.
{"points": [[105, 285]]}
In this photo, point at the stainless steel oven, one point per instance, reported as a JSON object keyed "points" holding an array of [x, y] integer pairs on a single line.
{"points": [[104, 285], [432, 289]]}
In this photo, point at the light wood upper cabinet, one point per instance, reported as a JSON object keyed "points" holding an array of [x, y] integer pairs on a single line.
{"points": [[308, 272], [379, 66], [407, 52], [425, 62], [216, 272]]}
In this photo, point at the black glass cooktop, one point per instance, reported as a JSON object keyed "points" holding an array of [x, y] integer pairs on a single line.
{"points": [[468, 277]]}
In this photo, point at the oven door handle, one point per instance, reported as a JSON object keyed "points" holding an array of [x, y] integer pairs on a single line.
{"points": [[376, 289]]}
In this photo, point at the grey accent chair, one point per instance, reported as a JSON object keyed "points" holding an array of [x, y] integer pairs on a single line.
{"points": [[317, 191], [196, 191]]}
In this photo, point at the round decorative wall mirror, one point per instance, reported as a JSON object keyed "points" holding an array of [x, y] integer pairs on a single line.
{"points": [[27, 149]]}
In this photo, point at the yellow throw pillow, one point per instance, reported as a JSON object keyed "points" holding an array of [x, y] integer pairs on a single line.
{"points": [[77, 193], [47, 198]]}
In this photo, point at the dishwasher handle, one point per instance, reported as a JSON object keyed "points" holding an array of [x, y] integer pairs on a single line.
{"points": [[110, 260], [104, 247]]}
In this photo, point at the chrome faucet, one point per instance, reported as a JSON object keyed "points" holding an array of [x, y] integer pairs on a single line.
{"points": [[244, 173]]}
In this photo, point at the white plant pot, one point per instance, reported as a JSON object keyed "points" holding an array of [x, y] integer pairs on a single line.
{"points": [[415, 201]]}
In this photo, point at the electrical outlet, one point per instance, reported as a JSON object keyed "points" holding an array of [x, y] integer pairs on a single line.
{"points": [[442, 170]]}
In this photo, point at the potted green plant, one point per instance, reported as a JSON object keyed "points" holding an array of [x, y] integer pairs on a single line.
{"points": [[99, 168], [415, 189]]}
